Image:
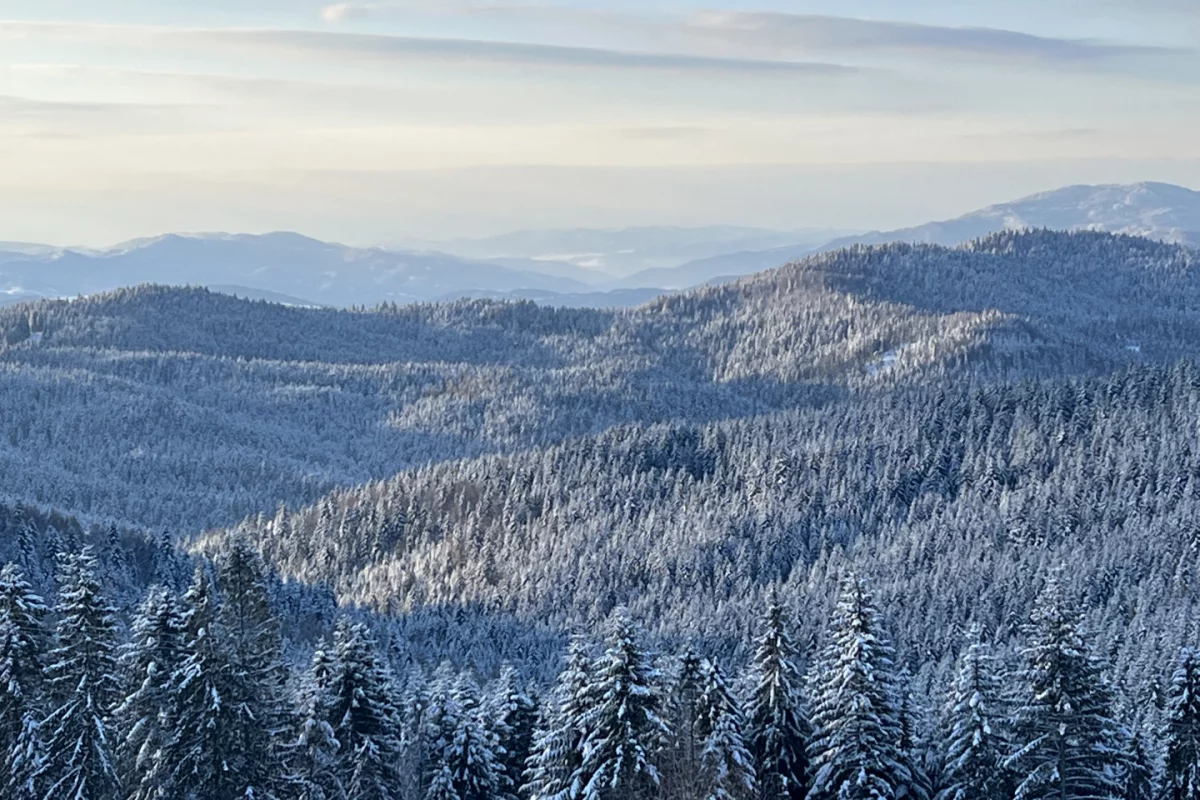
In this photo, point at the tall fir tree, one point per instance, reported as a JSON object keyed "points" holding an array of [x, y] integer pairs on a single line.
{"points": [[554, 770], [84, 687], [253, 646], [726, 767], [1068, 746], [914, 743], [680, 767], [513, 716], [624, 725], [364, 719], [779, 727], [976, 740], [148, 662], [24, 646], [1137, 776], [470, 753], [857, 752], [203, 759], [1181, 730], [313, 755]]}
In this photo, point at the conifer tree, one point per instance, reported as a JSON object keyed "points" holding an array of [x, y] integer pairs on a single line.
{"points": [[975, 743], [512, 716], [624, 726], [779, 727], [203, 759], [856, 752], [148, 663], [441, 784], [313, 756], [1068, 745], [362, 715], [84, 687], [1137, 775], [554, 770], [726, 765], [913, 743], [252, 643], [681, 775], [23, 652], [470, 752], [1181, 730]]}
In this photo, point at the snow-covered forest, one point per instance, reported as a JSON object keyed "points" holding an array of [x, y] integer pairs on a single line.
{"points": [[891, 522], [198, 694]]}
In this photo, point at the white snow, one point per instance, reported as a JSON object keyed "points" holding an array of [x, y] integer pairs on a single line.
{"points": [[887, 360]]}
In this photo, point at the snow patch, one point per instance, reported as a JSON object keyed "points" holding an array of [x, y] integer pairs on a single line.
{"points": [[887, 360]]}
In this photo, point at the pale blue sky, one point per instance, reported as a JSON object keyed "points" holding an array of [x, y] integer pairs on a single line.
{"points": [[366, 121]]}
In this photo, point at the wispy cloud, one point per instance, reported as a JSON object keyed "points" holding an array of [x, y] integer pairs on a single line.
{"points": [[664, 132], [805, 33], [408, 49]]}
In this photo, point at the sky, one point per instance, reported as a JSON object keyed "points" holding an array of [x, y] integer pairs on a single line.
{"points": [[369, 122]]}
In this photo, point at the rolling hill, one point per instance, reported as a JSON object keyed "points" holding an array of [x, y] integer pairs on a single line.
{"points": [[216, 408]]}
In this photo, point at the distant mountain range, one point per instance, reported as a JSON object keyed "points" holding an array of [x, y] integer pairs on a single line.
{"points": [[614, 255], [1159, 211], [287, 263], [578, 268]]}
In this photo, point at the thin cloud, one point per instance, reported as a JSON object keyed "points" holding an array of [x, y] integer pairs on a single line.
{"points": [[804, 33], [406, 49], [664, 132]]}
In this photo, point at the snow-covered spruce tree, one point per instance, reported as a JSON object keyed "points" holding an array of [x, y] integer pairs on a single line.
{"points": [[148, 661], [1067, 744], [252, 642], [84, 687], [976, 740], [470, 753], [313, 755], [1181, 730], [624, 726], [23, 651], [726, 766], [554, 770], [512, 716], [680, 760], [856, 750], [205, 762], [439, 725], [1137, 776], [914, 743], [779, 731], [363, 716], [441, 784], [413, 708]]}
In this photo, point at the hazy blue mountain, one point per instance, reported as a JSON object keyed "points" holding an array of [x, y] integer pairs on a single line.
{"points": [[10, 249], [1159, 211], [622, 252], [723, 266], [613, 298], [284, 263]]}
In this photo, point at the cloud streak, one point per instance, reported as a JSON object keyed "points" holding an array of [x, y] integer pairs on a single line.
{"points": [[790, 35], [409, 50], [805, 33]]}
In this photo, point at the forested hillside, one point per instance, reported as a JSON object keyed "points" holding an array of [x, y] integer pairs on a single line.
{"points": [[955, 500], [705, 548], [215, 408]]}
